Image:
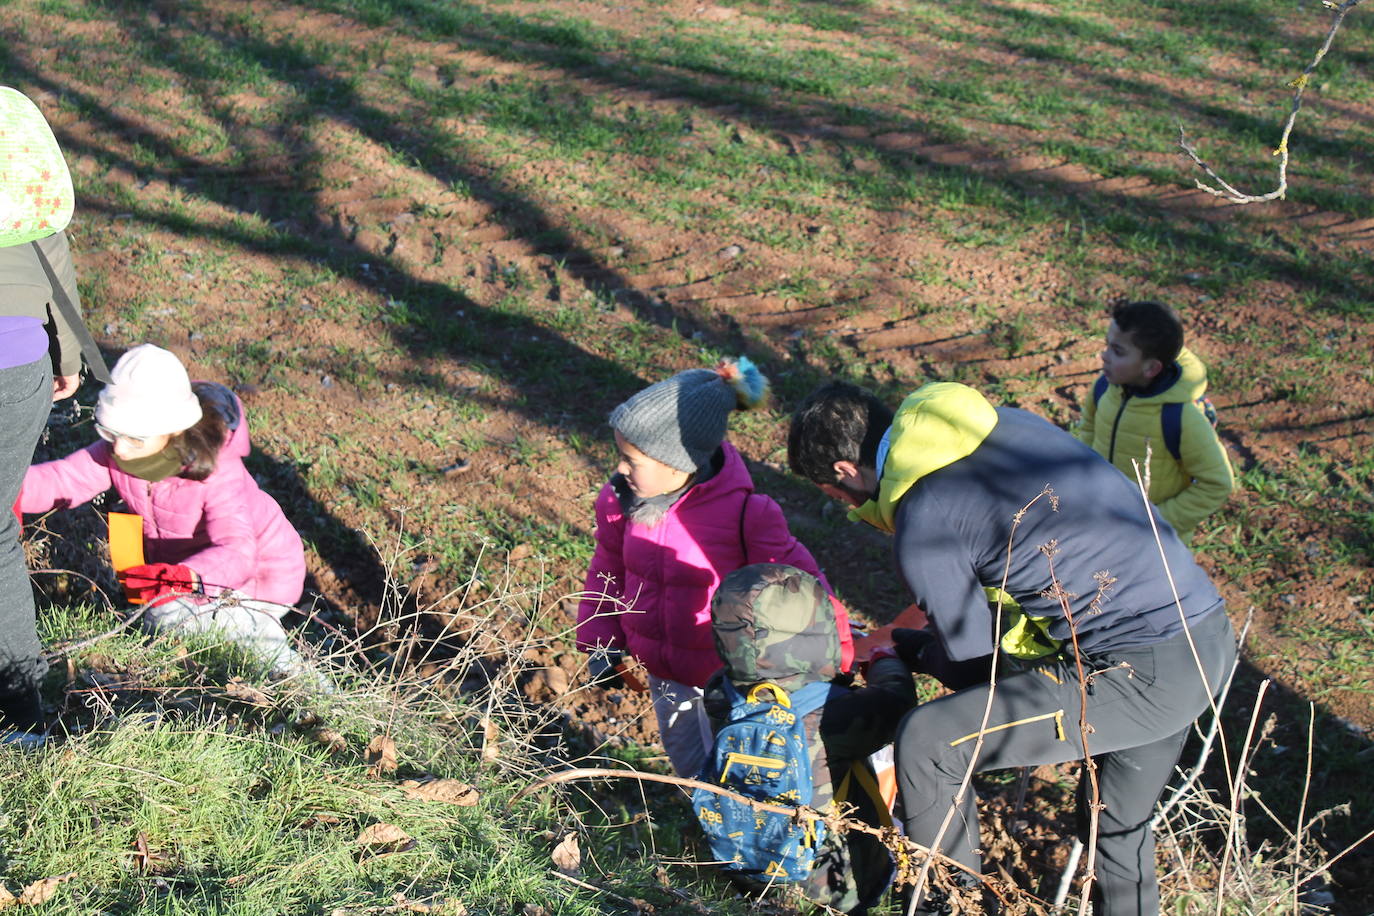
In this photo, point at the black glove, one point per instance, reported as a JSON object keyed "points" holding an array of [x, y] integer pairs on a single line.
{"points": [[601, 665], [911, 646]]}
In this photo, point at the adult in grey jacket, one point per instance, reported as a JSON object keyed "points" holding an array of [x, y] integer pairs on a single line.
{"points": [[976, 496], [40, 362]]}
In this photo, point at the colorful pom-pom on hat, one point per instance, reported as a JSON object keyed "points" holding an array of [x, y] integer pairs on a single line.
{"points": [[681, 421]]}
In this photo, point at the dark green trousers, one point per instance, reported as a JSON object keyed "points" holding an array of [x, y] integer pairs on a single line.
{"points": [[1140, 704]]}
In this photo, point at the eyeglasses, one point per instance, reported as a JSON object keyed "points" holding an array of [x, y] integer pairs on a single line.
{"points": [[110, 436]]}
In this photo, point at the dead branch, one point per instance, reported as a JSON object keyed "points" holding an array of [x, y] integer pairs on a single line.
{"points": [[1237, 788], [1084, 728], [924, 874], [1299, 85], [901, 846]]}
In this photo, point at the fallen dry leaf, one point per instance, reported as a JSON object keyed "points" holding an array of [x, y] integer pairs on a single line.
{"points": [[439, 907], [330, 739], [41, 891], [383, 838], [7, 899], [381, 755], [491, 739], [244, 692], [382, 834], [142, 856], [404, 905], [567, 858], [442, 790]]}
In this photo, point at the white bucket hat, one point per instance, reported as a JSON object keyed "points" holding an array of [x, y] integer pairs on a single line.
{"points": [[149, 395], [36, 196]]}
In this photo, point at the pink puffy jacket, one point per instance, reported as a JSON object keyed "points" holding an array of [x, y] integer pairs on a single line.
{"points": [[224, 527], [667, 573]]}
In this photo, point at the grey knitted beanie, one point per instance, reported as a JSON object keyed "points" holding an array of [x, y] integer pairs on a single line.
{"points": [[681, 421]]}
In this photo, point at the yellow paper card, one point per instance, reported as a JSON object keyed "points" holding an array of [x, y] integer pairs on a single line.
{"points": [[126, 542]]}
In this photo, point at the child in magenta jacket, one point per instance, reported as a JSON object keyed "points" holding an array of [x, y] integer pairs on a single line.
{"points": [[679, 514], [174, 452]]}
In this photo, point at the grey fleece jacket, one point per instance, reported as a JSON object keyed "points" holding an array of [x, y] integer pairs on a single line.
{"points": [[953, 527]]}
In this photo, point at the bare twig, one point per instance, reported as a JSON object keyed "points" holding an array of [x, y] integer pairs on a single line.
{"points": [[1212, 731], [887, 835], [1084, 728], [1237, 787], [1178, 604], [623, 901], [1066, 879], [924, 874], [1299, 86], [95, 586]]}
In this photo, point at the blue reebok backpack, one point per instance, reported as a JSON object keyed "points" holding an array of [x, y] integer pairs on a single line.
{"points": [[762, 752]]}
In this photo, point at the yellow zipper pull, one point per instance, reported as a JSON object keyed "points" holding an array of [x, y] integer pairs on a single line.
{"points": [[1059, 725]]}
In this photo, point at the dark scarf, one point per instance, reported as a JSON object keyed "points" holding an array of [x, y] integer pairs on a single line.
{"points": [[1159, 384], [152, 468], [649, 512]]}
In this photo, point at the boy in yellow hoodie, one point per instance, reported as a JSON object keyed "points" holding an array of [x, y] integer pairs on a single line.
{"points": [[1150, 395]]}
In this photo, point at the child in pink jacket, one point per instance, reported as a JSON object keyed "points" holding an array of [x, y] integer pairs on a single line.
{"points": [[174, 453], [679, 514]]}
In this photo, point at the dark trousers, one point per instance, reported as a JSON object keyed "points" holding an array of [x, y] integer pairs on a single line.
{"points": [[25, 400], [1140, 704]]}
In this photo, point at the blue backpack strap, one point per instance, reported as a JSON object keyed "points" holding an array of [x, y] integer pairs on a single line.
{"points": [[1171, 422], [1099, 388], [810, 698]]}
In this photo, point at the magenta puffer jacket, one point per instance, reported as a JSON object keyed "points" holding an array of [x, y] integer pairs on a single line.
{"points": [[667, 573], [224, 527]]}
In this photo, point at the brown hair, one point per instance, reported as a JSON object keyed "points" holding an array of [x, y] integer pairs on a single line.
{"points": [[199, 446], [1155, 328]]}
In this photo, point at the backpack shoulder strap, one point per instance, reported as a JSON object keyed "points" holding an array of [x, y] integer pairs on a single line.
{"points": [[860, 773], [810, 698], [1099, 388], [1171, 423], [94, 361]]}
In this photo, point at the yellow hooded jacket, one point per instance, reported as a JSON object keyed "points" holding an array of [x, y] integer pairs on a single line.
{"points": [[938, 424], [1120, 425]]}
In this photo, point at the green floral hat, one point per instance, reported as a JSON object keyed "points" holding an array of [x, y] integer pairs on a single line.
{"points": [[36, 197]]}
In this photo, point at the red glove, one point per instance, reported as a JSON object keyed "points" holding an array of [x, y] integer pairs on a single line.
{"points": [[151, 581]]}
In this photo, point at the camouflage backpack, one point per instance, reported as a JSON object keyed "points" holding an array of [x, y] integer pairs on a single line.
{"points": [[762, 752]]}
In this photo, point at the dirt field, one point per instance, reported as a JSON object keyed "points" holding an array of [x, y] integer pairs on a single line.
{"points": [[429, 318]]}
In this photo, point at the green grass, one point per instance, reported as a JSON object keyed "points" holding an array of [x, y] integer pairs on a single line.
{"points": [[173, 796], [581, 134]]}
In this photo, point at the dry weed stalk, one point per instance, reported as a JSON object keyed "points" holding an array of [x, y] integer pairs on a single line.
{"points": [[1084, 727], [1252, 881], [902, 848], [1299, 84], [923, 875]]}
